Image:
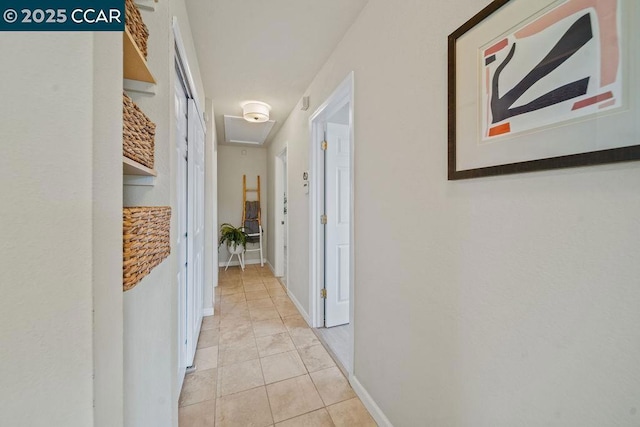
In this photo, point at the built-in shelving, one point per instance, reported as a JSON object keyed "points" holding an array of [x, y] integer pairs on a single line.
{"points": [[131, 167], [134, 65], [135, 173], [137, 77], [148, 5]]}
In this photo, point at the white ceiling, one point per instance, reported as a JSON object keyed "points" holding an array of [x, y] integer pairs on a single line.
{"points": [[265, 50]]}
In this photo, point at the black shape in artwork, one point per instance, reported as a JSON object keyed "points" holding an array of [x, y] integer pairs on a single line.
{"points": [[576, 36], [489, 60]]}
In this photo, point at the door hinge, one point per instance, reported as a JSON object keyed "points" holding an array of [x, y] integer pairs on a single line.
{"points": [[323, 293], [324, 145], [323, 219]]}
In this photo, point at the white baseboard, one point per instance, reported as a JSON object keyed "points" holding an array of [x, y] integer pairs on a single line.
{"points": [[302, 311], [236, 263], [273, 270], [369, 403], [207, 311]]}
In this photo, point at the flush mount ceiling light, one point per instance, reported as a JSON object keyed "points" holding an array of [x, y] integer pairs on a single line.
{"points": [[255, 111]]}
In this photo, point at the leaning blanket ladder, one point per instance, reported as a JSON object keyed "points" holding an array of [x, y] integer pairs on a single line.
{"points": [[252, 218]]}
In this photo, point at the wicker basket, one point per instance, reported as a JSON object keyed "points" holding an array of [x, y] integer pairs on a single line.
{"points": [[145, 235], [138, 133], [135, 25]]}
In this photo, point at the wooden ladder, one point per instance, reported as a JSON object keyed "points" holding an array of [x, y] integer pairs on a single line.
{"points": [[246, 190]]}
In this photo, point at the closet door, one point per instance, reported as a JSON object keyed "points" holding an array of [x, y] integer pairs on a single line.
{"points": [[195, 289], [181, 214]]}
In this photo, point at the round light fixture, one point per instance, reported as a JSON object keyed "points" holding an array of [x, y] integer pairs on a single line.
{"points": [[255, 111]]}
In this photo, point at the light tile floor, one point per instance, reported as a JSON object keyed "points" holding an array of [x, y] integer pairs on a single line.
{"points": [[258, 364]]}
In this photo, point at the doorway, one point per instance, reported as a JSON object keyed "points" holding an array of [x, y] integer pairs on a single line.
{"points": [[190, 218], [332, 233], [282, 225]]}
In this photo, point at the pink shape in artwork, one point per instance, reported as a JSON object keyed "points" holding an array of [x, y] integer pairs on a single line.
{"points": [[496, 47], [606, 10]]}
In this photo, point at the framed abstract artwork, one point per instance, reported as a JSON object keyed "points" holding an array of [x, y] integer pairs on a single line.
{"points": [[544, 84]]}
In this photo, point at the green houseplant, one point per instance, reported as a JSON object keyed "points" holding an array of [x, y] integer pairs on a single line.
{"points": [[235, 238]]}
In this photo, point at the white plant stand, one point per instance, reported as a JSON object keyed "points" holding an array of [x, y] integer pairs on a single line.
{"points": [[237, 250]]}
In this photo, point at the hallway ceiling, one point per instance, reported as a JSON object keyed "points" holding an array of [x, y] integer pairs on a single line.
{"points": [[261, 50]]}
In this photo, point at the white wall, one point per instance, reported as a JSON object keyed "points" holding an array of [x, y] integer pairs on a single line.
{"points": [[294, 135], [516, 302], [233, 162], [107, 231], [61, 304], [211, 212], [150, 309]]}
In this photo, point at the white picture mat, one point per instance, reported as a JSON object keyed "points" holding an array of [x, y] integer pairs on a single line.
{"points": [[620, 128]]}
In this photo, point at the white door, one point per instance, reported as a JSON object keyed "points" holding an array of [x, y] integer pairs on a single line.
{"points": [[195, 230], [337, 199], [181, 120]]}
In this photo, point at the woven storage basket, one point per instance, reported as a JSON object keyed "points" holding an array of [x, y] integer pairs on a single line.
{"points": [[135, 25], [138, 133], [145, 238]]}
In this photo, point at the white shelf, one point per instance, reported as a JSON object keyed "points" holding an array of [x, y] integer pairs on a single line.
{"points": [[136, 86], [136, 174]]}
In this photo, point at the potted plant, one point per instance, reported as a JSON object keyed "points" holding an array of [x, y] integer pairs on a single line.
{"points": [[235, 238]]}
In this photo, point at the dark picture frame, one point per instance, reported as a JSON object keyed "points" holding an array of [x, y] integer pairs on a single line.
{"points": [[630, 150]]}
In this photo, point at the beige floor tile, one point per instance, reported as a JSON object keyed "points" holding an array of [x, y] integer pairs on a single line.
{"points": [[293, 397], [252, 280], [246, 409], [268, 327], [274, 344], [253, 295], [235, 297], [233, 321], [287, 310], [260, 303], [304, 337], [208, 338], [206, 358], [316, 358], [319, 418], [239, 377], [276, 292], [350, 413], [332, 386], [282, 366], [231, 324], [254, 287], [258, 314], [241, 334], [229, 291], [293, 323], [198, 387], [230, 318], [272, 284], [210, 322], [232, 302], [237, 352], [201, 414], [281, 300]]}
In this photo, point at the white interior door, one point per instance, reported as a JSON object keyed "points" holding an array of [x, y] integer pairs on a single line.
{"points": [[195, 288], [181, 120], [337, 198]]}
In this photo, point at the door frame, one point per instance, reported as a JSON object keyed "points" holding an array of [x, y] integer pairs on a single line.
{"points": [[343, 94], [282, 183], [183, 72]]}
